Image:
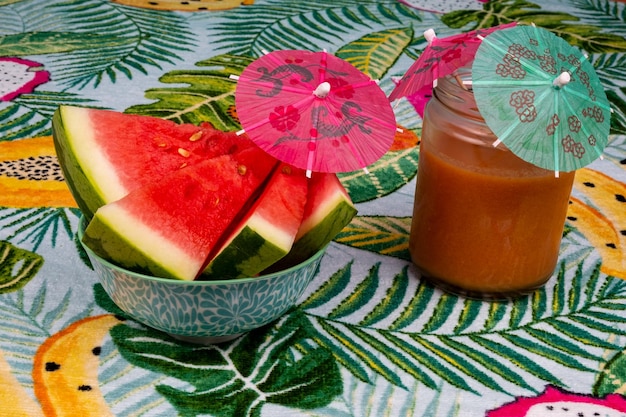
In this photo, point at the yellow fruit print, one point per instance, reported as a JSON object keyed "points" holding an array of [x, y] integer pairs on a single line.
{"points": [[186, 5], [11, 392], [65, 370], [30, 175], [604, 227]]}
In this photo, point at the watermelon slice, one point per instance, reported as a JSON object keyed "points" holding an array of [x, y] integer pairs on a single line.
{"points": [[106, 154], [268, 231], [169, 227], [328, 210]]}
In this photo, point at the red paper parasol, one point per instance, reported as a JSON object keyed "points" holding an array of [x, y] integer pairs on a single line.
{"points": [[442, 56], [314, 111]]}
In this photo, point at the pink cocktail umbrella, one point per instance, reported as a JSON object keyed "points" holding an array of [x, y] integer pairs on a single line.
{"points": [[315, 111], [442, 56]]}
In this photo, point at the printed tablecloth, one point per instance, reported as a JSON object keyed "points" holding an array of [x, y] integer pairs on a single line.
{"points": [[370, 338]]}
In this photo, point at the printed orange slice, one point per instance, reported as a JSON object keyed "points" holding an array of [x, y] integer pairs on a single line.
{"points": [[65, 371]]}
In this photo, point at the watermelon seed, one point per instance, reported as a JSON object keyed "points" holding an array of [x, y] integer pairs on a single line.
{"points": [[196, 136], [184, 152], [183, 165], [242, 169], [286, 170]]}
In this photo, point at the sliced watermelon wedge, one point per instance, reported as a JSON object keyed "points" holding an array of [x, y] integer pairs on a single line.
{"points": [[328, 210], [169, 227], [268, 231], [106, 154]]}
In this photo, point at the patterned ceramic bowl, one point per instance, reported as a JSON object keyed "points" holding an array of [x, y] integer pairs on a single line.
{"points": [[203, 311]]}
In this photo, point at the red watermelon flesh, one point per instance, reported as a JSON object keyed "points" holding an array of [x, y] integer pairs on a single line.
{"points": [[267, 232], [328, 210], [169, 227], [106, 154]]}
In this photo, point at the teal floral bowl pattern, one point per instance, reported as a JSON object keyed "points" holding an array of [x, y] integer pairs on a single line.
{"points": [[203, 311]]}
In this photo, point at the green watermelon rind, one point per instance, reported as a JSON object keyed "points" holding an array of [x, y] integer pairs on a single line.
{"points": [[254, 247], [87, 195], [112, 234], [322, 229]]}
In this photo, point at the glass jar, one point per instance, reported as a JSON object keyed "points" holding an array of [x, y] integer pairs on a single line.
{"points": [[486, 223]]}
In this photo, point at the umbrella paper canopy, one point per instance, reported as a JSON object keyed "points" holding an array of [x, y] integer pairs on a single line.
{"points": [[315, 111], [442, 56], [541, 97]]}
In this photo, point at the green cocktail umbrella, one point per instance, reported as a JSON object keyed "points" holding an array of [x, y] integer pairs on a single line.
{"points": [[541, 97]]}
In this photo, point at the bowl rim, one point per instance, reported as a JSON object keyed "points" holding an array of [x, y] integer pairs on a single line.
{"points": [[172, 281]]}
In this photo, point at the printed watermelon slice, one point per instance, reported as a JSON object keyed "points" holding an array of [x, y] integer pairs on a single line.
{"points": [[328, 210], [268, 232], [169, 227], [106, 154]]}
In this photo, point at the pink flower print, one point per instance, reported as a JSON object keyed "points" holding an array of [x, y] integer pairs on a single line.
{"points": [[592, 140], [341, 88], [583, 77], [579, 150], [528, 115], [575, 148], [568, 143], [523, 102], [284, 118], [573, 60], [451, 55], [520, 51], [598, 114], [547, 63], [595, 113], [554, 122], [574, 124], [510, 68]]}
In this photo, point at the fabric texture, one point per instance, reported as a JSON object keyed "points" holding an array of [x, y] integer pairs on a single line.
{"points": [[368, 338]]}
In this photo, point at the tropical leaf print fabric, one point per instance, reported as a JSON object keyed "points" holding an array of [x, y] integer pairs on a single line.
{"points": [[368, 337]]}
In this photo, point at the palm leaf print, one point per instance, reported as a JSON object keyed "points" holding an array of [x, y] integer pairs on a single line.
{"points": [[257, 369], [376, 52], [437, 337], [140, 42], [208, 94], [36, 224], [278, 25], [379, 234]]}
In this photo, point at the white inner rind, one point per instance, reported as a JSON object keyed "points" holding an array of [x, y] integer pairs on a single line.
{"points": [[321, 212], [269, 231], [161, 251], [94, 162]]}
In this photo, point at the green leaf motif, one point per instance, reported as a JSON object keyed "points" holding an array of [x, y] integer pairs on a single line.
{"points": [[384, 235], [435, 336], [138, 39], [17, 267], [40, 43], [612, 377], [254, 370], [592, 39], [385, 176], [37, 224], [208, 94], [275, 25], [376, 52]]}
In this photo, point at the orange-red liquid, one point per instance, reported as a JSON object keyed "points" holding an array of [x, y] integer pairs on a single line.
{"points": [[485, 221]]}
